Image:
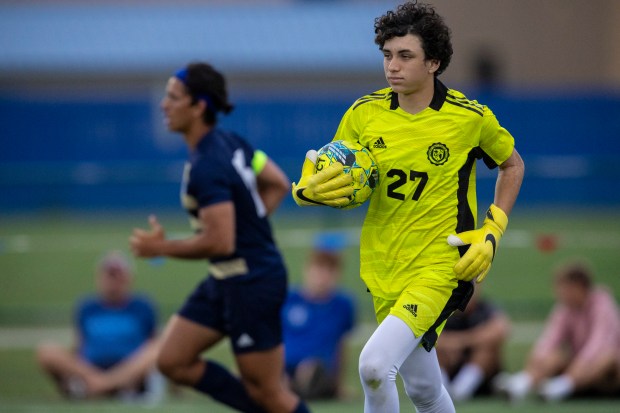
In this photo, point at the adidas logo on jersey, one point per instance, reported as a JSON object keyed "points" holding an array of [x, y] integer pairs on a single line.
{"points": [[244, 340], [379, 143], [412, 308]]}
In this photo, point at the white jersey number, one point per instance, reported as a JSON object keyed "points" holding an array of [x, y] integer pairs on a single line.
{"points": [[249, 179]]}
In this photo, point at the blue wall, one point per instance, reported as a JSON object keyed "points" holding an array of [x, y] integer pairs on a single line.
{"points": [[109, 149], [112, 151]]}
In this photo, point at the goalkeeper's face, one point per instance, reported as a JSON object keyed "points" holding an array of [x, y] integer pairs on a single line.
{"points": [[179, 113], [406, 68]]}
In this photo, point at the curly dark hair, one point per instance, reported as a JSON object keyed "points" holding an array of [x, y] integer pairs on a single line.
{"points": [[204, 81], [419, 20]]}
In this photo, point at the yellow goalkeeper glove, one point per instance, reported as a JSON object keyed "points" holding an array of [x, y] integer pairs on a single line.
{"points": [[483, 242], [328, 187]]}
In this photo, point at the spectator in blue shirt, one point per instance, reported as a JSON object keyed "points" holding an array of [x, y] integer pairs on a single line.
{"points": [[316, 319], [115, 347]]}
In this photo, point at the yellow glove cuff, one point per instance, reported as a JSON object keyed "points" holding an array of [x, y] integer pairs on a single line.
{"points": [[498, 217]]}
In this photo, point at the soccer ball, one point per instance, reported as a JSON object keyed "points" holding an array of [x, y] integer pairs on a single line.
{"points": [[358, 162]]}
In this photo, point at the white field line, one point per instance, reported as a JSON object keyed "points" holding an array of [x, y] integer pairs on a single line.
{"points": [[295, 238], [30, 337]]}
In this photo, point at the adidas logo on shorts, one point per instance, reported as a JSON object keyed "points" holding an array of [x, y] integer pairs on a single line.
{"points": [[379, 143], [412, 308], [244, 340]]}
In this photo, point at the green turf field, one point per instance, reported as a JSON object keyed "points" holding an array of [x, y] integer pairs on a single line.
{"points": [[47, 261]]}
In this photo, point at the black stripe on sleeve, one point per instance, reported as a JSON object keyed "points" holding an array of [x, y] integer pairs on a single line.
{"points": [[488, 161], [368, 98], [464, 106]]}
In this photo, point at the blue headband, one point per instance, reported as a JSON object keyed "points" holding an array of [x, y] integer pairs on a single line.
{"points": [[182, 76]]}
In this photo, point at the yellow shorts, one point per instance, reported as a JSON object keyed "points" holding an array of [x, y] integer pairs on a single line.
{"points": [[426, 303]]}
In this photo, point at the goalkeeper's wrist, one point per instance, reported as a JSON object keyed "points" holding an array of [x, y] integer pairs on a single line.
{"points": [[496, 216]]}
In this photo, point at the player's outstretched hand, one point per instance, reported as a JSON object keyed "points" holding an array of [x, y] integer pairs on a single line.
{"points": [[483, 243], [328, 187], [147, 243]]}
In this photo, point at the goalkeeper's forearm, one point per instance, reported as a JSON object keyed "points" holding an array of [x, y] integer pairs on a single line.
{"points": [[509, 181]]}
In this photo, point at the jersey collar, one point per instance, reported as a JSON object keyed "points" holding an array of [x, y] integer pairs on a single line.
{"points": [[439, 97], [205, 141]]}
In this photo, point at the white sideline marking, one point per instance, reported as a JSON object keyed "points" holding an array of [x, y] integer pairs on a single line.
{"points": [[296, 238], [30, 337]]}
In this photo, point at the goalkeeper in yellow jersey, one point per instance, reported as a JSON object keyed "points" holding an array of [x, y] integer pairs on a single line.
{"points": [[420, 251]]}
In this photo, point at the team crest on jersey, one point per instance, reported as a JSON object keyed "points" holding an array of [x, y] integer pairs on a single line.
{"points": [[438, 153]]}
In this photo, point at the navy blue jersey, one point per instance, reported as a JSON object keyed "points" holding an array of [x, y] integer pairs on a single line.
{"points": [[109, 334], [220, 170]]}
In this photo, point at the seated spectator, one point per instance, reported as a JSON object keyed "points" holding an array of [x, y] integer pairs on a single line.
{"points": [[115, 348], [316, 319], [579, 349], [470, 348]]}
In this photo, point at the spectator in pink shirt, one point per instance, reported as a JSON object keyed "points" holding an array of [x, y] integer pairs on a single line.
{"points": [[579, 349]]}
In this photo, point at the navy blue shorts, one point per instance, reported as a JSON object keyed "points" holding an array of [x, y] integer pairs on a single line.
{"points": [[247, 311]]}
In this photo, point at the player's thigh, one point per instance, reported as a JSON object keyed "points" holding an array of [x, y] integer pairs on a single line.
{"points": [[183, 340]]}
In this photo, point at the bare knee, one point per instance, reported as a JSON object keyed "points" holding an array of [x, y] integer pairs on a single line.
{"points": [[177, 370], [48, 353]]}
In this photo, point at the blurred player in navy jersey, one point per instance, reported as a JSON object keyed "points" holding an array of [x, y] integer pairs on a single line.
{"points": [[229, 189], [317, 317], [115, 346]]}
